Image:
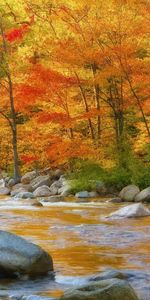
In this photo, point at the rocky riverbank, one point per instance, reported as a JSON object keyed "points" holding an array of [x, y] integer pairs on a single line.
{"points": [[55, 186]]}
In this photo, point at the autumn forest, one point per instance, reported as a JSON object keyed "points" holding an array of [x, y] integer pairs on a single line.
{"points": [[74, 84]]}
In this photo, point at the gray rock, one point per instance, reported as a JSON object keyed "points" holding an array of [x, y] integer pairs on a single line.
{"points": [[24, 195], [32, 297], [83, 194], [11, 183], [65, 188], [108, 274], [57, 198], [143, 196], [111, 289], [20, 188], [115, 200], [131, 211], [42, 191], [129, 192], [28, 177], [2, 183], [40, 181], [93, 194], [18, 256], [100, 187], [4, 191]]}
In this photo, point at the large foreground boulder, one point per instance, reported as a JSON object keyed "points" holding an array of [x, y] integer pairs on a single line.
{"points": [[143, 196], [18, 256], [129, 192], [131, 211], [111, 289]]}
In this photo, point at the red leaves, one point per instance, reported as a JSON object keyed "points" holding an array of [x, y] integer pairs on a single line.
{"points": [[56, 117], [27, 159], [17, 34]]}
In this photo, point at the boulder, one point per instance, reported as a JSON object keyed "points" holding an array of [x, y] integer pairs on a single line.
{"points": [[100, 188], [32, 297], [20, 188], [18, 256], [65, 188], [93, 194], [4, 191], [143, 196], [2, 183], [129, 192], [115, 200], [28, 177], [42, 191], [24, 195], [83, 194], [111, 289], [54, 187], [108, 274], [131, 211], [11, 183], [57, 198], [40, 181], [30, 202]]}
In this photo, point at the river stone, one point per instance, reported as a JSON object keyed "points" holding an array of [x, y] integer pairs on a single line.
{"points": [[93, 194], [131, 211], [33, 297], [4, 191], [11, 183], [20, 188], [111, 289], [42, 191], [65, 188], [129, 192], [28, 177], [2, 183], [40, 181], [18, 256], [57, 198], [143, 196], [115, 200], [24, 195], [108, 274], [83, 194]]}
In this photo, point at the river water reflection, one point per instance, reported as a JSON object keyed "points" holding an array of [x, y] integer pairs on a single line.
{"points": [[82, 243]]}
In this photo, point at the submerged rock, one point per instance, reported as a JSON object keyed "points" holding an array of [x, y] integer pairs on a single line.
{"points": [[24, 195], [108, 274], [18, 256], [57, 198], [111, 289], [131, 211], [129, 192]]}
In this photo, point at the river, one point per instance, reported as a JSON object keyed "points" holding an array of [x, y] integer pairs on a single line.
{"points": [[82, 243]]}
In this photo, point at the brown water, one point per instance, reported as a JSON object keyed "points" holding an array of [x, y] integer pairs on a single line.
{"points": [[82, 243]]}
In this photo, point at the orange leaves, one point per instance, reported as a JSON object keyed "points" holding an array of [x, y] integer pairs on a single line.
{"points": [[27, 95]]}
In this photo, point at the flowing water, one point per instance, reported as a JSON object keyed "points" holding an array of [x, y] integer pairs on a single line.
{"points": [[82, 243]]}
